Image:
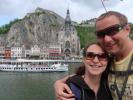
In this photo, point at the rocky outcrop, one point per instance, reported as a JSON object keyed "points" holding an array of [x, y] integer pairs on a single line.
{"points": [[40, 27]]}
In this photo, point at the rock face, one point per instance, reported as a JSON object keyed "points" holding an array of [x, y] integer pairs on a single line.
{"points": [[39, 27]]}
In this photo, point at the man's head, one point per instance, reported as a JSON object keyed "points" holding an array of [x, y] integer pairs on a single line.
{"points": [[122, 18], [112, 30]]}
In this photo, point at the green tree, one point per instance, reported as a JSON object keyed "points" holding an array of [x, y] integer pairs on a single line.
{"points": [[5, 28], [86, 35]]}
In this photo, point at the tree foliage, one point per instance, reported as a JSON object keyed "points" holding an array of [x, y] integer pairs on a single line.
{"points": [[86, 35], [5, 28]]}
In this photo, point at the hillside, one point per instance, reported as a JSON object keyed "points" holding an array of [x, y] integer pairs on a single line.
{"points": [[37, 26]]}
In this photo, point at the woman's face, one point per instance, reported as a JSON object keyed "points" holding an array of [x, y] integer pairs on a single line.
{"points": [[95, 60]]}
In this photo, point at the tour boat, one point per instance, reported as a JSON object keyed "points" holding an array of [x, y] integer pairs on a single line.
{"points": [[24, 65]]}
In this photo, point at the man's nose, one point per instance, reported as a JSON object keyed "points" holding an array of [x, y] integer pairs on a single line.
{"points": [[107, 38]]}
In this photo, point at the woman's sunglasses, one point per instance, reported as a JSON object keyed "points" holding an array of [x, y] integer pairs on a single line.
{"points": [[110, 31], [100, 56]]}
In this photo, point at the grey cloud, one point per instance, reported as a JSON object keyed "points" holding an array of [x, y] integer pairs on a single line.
{"points": [[97, 4], [85, 8], [15, 7]]}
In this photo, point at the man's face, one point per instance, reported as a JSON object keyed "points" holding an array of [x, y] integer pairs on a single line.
{"points": [[112, 35]]}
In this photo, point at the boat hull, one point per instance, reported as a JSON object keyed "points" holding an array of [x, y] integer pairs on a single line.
{"points": [[33, 69], [28, 67]]}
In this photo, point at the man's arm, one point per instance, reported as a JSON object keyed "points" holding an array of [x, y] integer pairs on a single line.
{"points": [[62, 91]]}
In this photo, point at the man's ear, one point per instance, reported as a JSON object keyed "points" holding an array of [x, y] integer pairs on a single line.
{"points": [[127, 29]]}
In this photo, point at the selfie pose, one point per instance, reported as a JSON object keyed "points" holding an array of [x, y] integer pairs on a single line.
{"points": [[112, 31]]}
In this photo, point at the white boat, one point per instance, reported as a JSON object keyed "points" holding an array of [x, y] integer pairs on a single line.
{"points": [[23, 65]]}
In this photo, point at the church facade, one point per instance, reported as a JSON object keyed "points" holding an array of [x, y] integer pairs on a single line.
{"points": [[68, 38]]}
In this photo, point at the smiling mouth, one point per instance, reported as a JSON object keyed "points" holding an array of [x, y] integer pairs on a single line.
{"points": [[95, 66], [110, 45]]}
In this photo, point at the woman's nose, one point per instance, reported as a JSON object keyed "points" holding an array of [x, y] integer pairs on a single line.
{"points": [[96, 59]]}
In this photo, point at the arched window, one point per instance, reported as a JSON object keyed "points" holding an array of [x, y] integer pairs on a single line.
{"points": [[57, 36], [67, 44]]}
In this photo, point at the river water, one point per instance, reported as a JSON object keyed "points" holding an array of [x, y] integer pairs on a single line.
{"points": [[30, 86]]}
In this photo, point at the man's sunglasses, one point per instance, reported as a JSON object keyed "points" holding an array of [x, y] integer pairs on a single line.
{"points": [[100, 56], [110, 31]]}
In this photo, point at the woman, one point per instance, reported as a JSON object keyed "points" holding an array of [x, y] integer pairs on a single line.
{"points": [[90, 81]]}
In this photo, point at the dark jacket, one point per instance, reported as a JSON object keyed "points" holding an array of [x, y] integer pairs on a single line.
{"points": [[83, 92]]}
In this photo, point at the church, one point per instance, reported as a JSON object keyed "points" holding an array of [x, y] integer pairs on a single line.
{"points": [[68, 38]]}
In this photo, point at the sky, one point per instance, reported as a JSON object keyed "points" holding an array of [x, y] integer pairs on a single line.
{"points": [[80, 10]]}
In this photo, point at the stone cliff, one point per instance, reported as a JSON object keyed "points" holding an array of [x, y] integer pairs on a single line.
{"points": [[39, 27]]}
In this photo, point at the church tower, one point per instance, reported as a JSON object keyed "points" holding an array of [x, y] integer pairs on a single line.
{"points": [[70, 43], [67, 23]]}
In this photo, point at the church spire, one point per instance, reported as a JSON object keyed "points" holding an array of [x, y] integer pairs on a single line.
{"points": [[68, 23], [68, 19]]}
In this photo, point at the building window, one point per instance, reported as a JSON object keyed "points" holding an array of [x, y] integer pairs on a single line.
{"points": [[67, 44]]}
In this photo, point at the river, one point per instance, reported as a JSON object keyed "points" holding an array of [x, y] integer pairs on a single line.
{"points": [[30, 86]]}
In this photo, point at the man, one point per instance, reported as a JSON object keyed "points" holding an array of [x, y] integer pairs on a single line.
{"points": [[112, 30]]}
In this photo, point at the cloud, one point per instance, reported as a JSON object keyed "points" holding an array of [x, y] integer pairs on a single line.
{"points": [[96, 4], [79, 9]]}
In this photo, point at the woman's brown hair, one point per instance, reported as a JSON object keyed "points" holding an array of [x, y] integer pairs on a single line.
{"points": [[81, 69]]}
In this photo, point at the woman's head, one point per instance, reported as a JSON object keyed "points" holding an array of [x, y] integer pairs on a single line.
{"points": [[95, 60]]}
